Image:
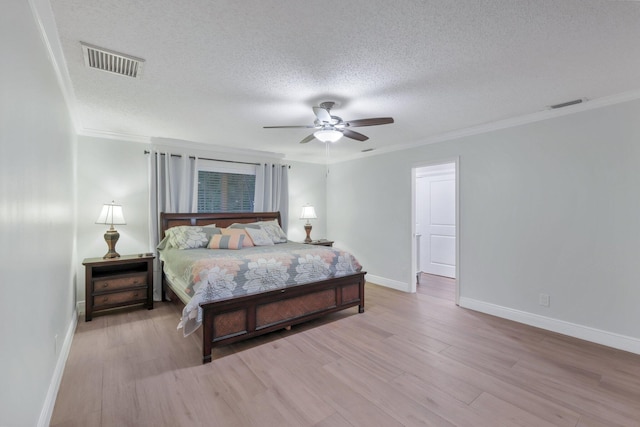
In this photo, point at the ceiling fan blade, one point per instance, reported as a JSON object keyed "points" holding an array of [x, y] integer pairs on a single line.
{"points": [[307, 139], [288, 127], [370, 122], [322, 114], [354, 135]]}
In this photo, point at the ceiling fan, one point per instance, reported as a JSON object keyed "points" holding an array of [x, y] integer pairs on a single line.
{"points": [[332, 128]]}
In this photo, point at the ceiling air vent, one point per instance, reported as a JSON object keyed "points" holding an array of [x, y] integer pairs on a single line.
{"points": [[566, 104], [112, 62]]}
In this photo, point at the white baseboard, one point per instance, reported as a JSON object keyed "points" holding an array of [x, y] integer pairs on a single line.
{"points": [[586, 333], [389, 283], [80, 307], [54, 386]]}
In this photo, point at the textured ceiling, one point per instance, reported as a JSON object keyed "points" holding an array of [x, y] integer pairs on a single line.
{"points": [[216, 72]]}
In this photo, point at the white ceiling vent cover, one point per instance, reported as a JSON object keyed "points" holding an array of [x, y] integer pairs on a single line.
{"points": [[112, 62]]}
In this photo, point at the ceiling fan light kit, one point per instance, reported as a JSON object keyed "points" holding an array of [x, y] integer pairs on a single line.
{"points": [[328, 135], [332, 128]]}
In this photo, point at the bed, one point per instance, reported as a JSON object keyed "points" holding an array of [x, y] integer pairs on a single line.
{"points": [[227, 318]]}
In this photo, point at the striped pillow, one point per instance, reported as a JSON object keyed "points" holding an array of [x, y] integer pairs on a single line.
{"points": [[219, 241], [239, 232]]}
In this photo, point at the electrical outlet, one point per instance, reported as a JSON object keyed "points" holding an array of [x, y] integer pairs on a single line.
{"points": [[544, 300]]}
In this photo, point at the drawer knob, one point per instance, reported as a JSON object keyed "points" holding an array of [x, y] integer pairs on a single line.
{"points": [[105, 284], [105, 299], [135, 294]]}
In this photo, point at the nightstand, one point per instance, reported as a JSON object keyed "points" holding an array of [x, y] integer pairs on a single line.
{"points": [[118, 282], [321, 242]]}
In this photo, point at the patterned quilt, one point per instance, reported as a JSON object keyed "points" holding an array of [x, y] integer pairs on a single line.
{"points": [[214, 274]]}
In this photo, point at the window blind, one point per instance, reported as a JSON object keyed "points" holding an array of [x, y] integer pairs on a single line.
{"points": [[225, 192]]}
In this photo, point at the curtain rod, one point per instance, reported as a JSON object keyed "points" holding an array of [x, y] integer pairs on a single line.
{"points": [[214, 160]]}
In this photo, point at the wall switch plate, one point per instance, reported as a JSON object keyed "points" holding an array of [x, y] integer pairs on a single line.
{"points": [[544, 300]]}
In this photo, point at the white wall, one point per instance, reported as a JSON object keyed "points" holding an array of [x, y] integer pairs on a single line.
{"points": [[112, 169], [307, 185], [37, 214], [548, 207]]}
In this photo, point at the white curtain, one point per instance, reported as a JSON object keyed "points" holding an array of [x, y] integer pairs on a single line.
{"points": [[272, 190], [173, 184]]}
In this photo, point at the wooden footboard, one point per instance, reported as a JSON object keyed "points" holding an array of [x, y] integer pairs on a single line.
{"points": [[240, 318]]}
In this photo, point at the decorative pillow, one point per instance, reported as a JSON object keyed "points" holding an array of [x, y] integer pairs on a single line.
{"points": [[187, 237], [219, 241], [259, 236], [273, 230], [210, 230], [244, 226], [164, 244], [237, 231]]}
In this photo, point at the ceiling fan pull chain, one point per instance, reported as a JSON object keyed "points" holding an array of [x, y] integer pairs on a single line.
{"points": [[327, 153]]}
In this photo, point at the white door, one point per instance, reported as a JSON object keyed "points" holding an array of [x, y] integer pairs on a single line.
{"points": [[436, 221]]}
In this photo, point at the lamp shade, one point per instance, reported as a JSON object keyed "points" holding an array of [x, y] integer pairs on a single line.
{"points": [[111, 214], [328, 135], [308, 212]]}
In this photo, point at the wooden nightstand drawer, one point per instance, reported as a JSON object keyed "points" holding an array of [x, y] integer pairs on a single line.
{"points": [[119, 282], [117, 298]]}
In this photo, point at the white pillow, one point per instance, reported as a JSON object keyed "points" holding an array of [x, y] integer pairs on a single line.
{"points": [[259, 236], [187, 237], [273, 230]]}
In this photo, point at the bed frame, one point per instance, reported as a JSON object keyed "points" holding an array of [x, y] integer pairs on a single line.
{"points": [[235, 319]]}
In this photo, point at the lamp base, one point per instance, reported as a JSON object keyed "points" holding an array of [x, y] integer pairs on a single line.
{"points": [[111, 237], [307, 228]]}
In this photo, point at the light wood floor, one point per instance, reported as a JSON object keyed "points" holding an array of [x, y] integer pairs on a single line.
{"points": [[410, 359], [437, 286]]}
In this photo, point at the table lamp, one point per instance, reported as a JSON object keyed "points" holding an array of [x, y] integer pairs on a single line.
{"points": [[111, 214], [308, 212]]}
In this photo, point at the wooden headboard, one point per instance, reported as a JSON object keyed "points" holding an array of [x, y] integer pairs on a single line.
{"points": [[168, 220]]}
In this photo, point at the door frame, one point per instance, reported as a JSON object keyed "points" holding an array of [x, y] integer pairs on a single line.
{"points": [[414, 250]]}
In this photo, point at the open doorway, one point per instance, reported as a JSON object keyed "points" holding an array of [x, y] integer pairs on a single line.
{"points": [[435, 227]]}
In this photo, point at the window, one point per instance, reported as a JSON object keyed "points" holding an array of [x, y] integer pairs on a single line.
{"points": [[226, 188]]}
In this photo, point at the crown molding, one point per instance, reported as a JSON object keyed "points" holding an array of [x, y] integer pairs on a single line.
{"points": [[503, 124], [43, 15], [44, 18], [158, 142], [99, 133]]}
